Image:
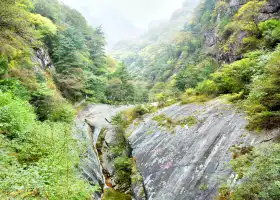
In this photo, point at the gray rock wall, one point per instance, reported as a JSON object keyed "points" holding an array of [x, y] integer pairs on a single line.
{"points": [[189, 162]]}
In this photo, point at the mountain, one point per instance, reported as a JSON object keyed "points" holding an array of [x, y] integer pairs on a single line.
{"points": [[115, 26]]}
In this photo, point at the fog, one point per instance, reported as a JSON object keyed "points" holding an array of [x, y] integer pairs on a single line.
{"points": [[122, 19]]}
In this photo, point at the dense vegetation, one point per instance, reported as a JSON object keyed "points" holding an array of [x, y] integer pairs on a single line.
{"points": [[38, 159]]}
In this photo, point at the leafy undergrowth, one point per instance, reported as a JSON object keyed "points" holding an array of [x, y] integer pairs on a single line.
{"points": [[191, 96], [38, 159], [258, 168], [111, 194]]}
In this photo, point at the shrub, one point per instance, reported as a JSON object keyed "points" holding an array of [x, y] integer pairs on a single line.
{"points": [[203, 187], [191, 96], [208, 87], [123, 167], [270, 31], [3, 66], [260, 172], [190, 121], [38, 160], [62, 112], [263, 102], [111, 194], [141, 110], [236, 96], [13, 86], [120, 121], [41, 99], [264, 120], [235, 77], [16, 116]]}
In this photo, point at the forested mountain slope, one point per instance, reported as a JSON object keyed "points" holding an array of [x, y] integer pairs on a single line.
{"points": [[50, 58]]}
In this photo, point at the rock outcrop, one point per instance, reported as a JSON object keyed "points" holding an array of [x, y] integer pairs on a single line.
{"points": [[42, 59], [88, 125], [190, 162], [270, 10]]}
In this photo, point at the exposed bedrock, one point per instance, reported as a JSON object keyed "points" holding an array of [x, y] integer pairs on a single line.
{"points": [[190, 162]]}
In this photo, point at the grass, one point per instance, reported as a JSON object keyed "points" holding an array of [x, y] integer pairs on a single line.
{"points": [[135, 176], [190, 121], [203, 187], [170, 124], [187, 99], [164, 121]]}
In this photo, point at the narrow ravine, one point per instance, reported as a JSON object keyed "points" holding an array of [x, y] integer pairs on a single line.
{"points": [[90, 123]]}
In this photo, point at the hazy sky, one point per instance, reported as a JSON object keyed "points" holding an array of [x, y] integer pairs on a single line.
{"points": [[139, 12]]}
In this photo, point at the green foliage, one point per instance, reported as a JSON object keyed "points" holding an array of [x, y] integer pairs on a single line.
{"points": [[191, 96], [190, 77], [270, 31], [76, 49], [61, 112], [123, 169], [120, 150], [16, 116], [111, 194], [167, 122], [41, 100], [14, 87], [164, 121], [16, 32], [119, 88], [119, 120], [3, 66], [208, 87], [235, 77], [263, 101], [243, 33], [203, 187], [135, 175], [38, 159], [44, 26], [156, 55], [259, 171], [190, 121]]}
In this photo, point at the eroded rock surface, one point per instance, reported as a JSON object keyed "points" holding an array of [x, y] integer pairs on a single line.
{"points": [[88, 125], [189, 163]]}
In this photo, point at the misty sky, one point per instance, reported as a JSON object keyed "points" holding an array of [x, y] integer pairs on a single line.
{"points": [[139, 12]]}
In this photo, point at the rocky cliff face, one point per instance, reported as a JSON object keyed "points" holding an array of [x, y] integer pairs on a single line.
{"points": [[212, 40], [189, 162]]}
